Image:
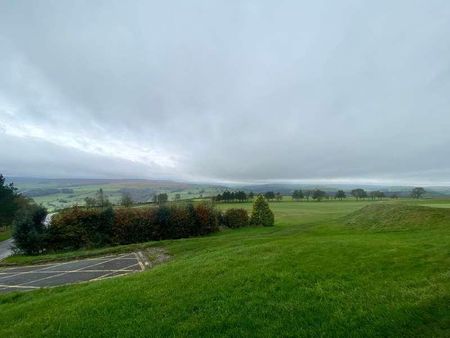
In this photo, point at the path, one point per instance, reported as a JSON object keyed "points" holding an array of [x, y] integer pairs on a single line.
{"points": [[5, 248], [34, 277]]}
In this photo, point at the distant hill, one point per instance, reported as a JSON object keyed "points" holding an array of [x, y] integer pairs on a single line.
{"points": [[60, 193]]}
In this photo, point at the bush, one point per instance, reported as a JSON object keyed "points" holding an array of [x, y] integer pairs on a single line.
{"points": [[134, 226], [261, 214], [30, 235], [75, 228], [182, 221], [236, 218], [206, 219]]}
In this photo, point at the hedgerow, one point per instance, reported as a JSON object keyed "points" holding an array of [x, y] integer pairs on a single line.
{"points": [[78, 227]]}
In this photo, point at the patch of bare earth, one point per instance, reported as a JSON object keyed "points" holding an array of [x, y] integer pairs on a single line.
{"points": [[153, 256]]}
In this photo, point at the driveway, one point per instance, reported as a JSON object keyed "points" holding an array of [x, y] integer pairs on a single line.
{"points": [[5, 248], [34, 277]]}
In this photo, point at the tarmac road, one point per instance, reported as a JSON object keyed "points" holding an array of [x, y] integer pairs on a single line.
{"points": [[5, 248], [27, 278]]}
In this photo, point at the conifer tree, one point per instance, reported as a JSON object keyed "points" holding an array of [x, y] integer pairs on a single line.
{"points": [[261, 214]]}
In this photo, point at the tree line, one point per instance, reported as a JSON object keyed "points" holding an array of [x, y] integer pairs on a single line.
{"points": [[234, 196], [358, 194], [315, 194]]}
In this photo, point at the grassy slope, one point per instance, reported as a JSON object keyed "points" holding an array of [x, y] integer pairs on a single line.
{"points": [[310, 275], [394, 217]]}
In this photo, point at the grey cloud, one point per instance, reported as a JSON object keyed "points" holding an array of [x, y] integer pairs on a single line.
{"points": [[229, 90]]}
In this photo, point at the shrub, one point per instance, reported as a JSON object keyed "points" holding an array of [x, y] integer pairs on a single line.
{"points": [[75, 228], [133, 225], [206, 219], [30, 235], [236, 218], [261, 214], [182, 221]]}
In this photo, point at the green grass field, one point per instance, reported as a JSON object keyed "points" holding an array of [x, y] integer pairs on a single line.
{"points": [[321, 271]]}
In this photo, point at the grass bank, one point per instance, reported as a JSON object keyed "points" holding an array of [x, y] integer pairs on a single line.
{"points": [[310, 275]]}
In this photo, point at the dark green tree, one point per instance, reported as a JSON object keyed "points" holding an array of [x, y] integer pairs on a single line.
{"points": [[99, 201], [340, 194], [8, 202], [126, 200], [29, 231], [418, 192], [318, 195], [261, 213], [102, 199], [270, 195], [308, 194], [227, 196], [359, 193], [298, 195], [380, 195], [90, 202], [241, 196]]}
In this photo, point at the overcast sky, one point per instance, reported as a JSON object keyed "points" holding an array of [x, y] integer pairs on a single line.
{"points": [[233, 91]]}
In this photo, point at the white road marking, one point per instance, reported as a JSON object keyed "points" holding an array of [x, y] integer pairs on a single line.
{"points": [[109, 274], [43, 269], [18, 286]]}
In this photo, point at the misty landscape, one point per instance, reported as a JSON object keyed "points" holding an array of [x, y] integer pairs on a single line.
{"points": [[224, 168]]}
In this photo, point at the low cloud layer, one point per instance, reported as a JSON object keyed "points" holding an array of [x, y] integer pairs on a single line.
{"points": [[226, 91]]}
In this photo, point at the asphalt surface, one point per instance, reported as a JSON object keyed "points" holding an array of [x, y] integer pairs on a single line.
{"points": [[5, 248], [27, 278]]}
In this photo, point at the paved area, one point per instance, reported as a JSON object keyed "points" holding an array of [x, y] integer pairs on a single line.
{"points": [[33, 277], [5, 248]]}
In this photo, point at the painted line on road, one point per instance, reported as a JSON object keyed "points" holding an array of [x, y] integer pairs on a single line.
{"points": [[74, 271], [42, 268], [18, 286], [62, 274], [109, 274]]}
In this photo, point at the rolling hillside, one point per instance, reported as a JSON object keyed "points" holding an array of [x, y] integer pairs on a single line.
{"points": [[310, 275]]}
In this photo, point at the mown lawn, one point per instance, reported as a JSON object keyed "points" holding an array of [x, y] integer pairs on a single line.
{"points": [[310, 275]]}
